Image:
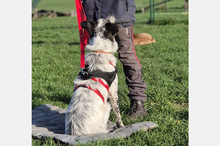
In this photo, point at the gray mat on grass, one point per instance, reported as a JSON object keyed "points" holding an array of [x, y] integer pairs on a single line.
{"points": [[49, 121]]}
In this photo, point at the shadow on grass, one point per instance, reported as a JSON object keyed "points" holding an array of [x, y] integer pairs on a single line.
{"points": [[73, 43], [37, 42], [43, 42], [57, 97], [183, 114]]}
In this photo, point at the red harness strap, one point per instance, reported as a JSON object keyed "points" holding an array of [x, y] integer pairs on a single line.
{"points": [[95, 90], [101, 82]]}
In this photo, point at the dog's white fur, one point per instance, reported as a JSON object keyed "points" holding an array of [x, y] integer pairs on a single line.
{"points": [[86, 113]]}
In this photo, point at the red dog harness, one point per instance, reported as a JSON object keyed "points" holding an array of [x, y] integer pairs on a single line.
{"points": [[95, 90], [95, 76], [83, 41]]}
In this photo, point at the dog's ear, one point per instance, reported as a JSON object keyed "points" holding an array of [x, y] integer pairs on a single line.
{"points": [[89, 26], [110, 18], [111, 30]]}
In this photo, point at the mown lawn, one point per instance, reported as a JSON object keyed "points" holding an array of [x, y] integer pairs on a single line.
{"points": [[55, 64], [67, 5]]}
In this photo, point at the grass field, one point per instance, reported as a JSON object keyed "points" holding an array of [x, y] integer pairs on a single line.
{"points": [[67, 5], [55, 64]]}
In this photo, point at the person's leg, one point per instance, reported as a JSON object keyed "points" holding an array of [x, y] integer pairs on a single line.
{"points": [[133, 71]]}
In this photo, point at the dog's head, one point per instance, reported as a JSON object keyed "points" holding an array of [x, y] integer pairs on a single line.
{"points": [[102, 34]]}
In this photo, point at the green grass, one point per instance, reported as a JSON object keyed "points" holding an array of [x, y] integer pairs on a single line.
{"points": [[68, 5], [55, 64], [58, 5]]}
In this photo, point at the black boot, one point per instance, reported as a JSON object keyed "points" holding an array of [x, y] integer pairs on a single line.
{"points": [[137, 109]]}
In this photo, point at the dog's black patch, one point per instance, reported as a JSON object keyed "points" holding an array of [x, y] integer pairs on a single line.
{"points": [[111, 30], [89, 26]]}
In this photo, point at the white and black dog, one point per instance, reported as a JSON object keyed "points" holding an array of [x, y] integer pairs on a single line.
{"points": [[97, 85]]}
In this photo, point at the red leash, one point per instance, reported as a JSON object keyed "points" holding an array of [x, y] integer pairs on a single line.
{"points": [[82, 34]]}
